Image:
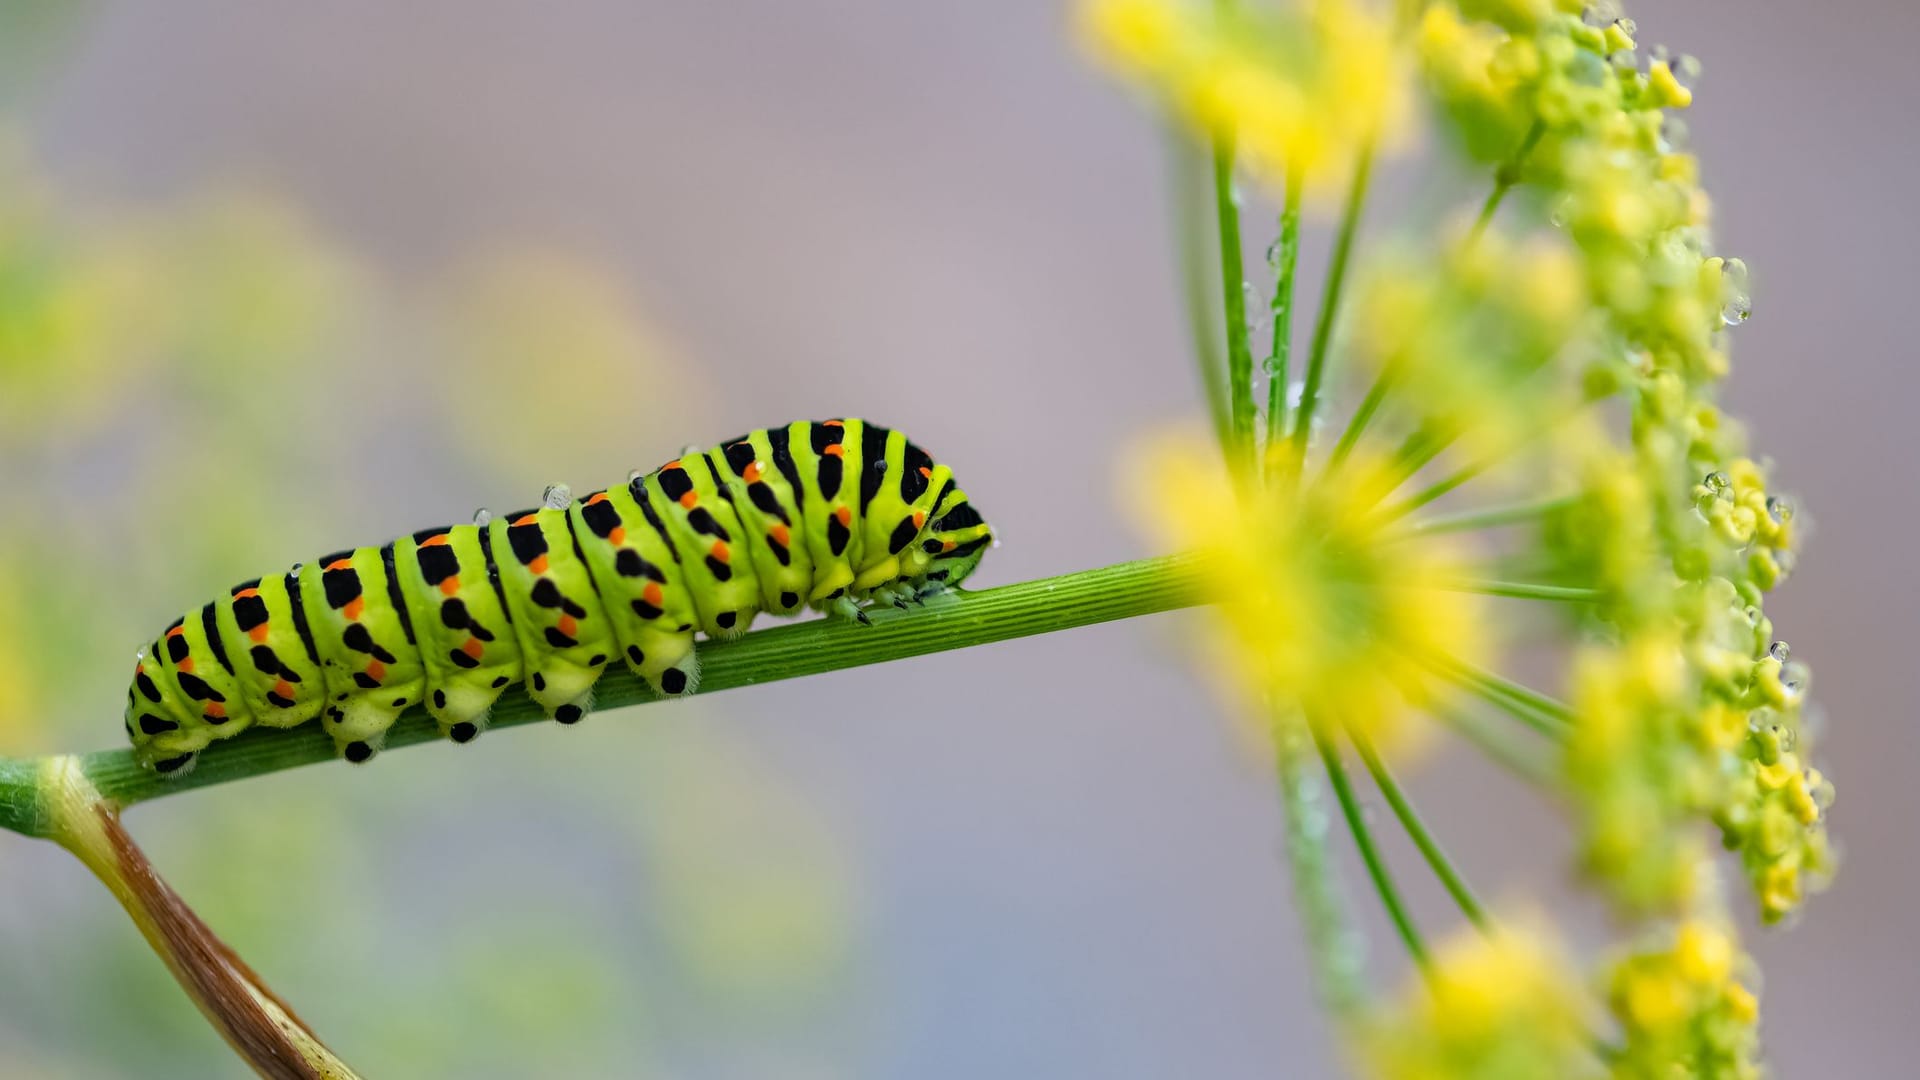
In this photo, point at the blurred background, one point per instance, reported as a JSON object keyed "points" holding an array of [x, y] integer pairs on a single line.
{"points": [[279, 278]]}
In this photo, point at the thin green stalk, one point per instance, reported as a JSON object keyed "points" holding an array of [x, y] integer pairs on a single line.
{"points": [[782, 652], [1504, 179], [1330, 296], [1417, 830], [1280, 356], [1490, 517], [1542, 712], [1525, 590], [1233, 295], [1337, 947], [1194, 229], [1528, 764], [1369, 851], [1362, 416]]}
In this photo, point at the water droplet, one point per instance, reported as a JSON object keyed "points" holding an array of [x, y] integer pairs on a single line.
{"points": [[1739, 309], [1686, 70], [1624, 60], [1795, 677], [1779, 509], [1627, 26], [1753, 615], [1276, 253], [1717, 483], [1675, 135], [1784, 736], [1734, 272], [556, 497], [1780, 651], [635, 475], [1600, 13], [140, 656], [1561, 213]]}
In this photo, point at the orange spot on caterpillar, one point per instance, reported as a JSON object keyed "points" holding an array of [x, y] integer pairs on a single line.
{"points": [[674, 464], [244, 593], [284, 689], [836, 450], [450, 585], [340, 564], [185, 665], [919, 518], [845, 515], [926, 472], [354, 608], [617, 536], [833, 423], [948, 546], [598, 497], [176, 631], [435, 541], [752, 472], [473, 647], [539, 564], [568, 625], [376, 670], [527, 518], [259, 633], [690, 500], [216, 711], [652, 593], [781, 535], [719, 550]]}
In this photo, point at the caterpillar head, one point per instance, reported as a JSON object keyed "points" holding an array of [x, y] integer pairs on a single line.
{"points": [[957, 540]]}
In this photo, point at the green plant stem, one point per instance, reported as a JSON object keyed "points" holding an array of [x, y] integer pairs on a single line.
{"points": [[1233, 296], [1417, 830], [1362, 416], [1539, 711], [1194, 231], [1330, 296], [1336, 946], [783, 652], [1505, 178], [1280, 356], [1526, 590], [1494, 516], [1369, 851]]}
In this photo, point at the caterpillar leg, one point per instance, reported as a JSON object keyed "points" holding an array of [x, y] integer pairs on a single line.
{"points": [[461, 711], [846, 607], [666, 661], [178, 765], [359, 727], [562, 688]]}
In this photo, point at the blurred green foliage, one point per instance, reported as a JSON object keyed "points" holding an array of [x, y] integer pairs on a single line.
{"points": [[196, 392]]}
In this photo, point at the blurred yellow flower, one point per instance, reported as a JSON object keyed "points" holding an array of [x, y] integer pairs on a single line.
{"points": [[1298, 89], [1322, 604]]}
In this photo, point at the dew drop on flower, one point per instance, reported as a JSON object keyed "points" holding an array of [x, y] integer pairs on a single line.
{"points": [[1627, 26], [1601, 13], [1753, 615], [1675, 136], [1738, 310], [556, 497], [1784, 736], [1717, 483], [1779, 509], [1686, 71], [1795, 677], [1276, 251], [1779, 651], [482, 516]]}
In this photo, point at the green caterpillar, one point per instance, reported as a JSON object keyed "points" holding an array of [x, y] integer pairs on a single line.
{"points": [[823, 515]]}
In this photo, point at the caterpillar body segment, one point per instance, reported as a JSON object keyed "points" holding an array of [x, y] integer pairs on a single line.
{"points": [[825, 515]]}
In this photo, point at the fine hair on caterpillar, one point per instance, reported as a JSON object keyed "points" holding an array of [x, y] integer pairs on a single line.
{"points": [[814, 515]]}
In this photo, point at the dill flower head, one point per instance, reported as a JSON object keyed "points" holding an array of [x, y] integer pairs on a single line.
{"points": [[1297, 89], [1501, 1006], [1532, 450], [1326, 606]]}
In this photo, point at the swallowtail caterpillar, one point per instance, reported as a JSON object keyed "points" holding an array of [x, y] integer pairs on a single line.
{"points": [[824, 515]]}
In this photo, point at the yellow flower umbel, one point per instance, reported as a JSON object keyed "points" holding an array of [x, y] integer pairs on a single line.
{"points": [[1296, 88], [1505, 1006], [1326, 606], [1683, 1008]]}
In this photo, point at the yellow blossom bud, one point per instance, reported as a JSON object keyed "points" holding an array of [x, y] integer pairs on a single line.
{"points": [[1667, 91], [1742, 1006]]}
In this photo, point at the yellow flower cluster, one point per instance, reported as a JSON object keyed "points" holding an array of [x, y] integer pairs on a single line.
{"points": [[1493, 1007], [1296, 91], [1325, 607], [1683, 1009]]}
